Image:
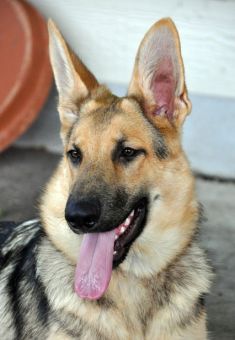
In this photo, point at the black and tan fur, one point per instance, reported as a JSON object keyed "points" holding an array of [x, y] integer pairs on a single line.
{"points": [[157, 291]]}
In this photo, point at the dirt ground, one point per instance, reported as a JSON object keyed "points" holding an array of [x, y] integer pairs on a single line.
{"points": [[23, 174]]}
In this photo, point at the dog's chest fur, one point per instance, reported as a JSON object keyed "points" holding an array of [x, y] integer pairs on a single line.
{"points": [[133, 308]]}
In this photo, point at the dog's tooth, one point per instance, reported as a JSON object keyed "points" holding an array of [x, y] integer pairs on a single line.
{"points": [[122, 229], [115, 252], [127, 222], [116, 237], [132, 213]]}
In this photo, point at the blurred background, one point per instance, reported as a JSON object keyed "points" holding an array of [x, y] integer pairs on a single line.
{"points": [[106, 35]]}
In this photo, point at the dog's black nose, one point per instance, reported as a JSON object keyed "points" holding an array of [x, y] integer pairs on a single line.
{"points": [[82, 215]]}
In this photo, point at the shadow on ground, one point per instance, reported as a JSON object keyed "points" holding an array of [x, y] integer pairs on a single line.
{"points": [[23, 174]]}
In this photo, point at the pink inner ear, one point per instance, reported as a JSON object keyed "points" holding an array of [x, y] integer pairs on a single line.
{"points": [[163, 87]]}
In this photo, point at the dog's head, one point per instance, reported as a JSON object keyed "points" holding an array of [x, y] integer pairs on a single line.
{"points": [[124, 175]]}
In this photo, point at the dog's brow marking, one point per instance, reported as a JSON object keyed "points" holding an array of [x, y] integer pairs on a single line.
{"points": [[161, 150], [156, 197], [160, 147], [118, 146], [69, 133]]}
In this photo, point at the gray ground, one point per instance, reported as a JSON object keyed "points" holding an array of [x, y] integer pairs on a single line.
{"points": [[22, 177]]}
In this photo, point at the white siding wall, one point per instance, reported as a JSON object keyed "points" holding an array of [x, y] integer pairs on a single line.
{"points": [[106, 34]]}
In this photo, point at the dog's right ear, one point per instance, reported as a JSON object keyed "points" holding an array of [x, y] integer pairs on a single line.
{"points": [[158, 78], [73, 80]]}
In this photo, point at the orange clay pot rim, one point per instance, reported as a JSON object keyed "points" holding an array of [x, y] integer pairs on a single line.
{"points": [[26, 114]]}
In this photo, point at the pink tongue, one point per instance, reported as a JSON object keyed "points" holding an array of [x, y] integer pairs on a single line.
{"points": [[94, 267]]}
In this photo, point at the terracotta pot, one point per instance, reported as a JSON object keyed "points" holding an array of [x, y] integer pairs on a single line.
{"points": [[25, 73]]}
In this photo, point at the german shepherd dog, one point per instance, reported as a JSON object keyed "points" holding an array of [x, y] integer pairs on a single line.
{"points": [[115, 252]]}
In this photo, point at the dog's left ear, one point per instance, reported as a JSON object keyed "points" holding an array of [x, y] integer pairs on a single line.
{"points": [[158, 77]]}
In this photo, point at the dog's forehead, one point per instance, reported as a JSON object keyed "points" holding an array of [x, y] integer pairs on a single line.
{"points": [[101, 110], [115, 118]]}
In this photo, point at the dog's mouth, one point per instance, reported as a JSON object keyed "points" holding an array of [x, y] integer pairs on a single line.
{"points": [[101, 252], [127, 232]]}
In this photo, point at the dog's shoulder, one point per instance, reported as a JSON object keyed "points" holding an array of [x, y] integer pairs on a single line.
{"points": [[15, 236], [6, 229], [23, 312]]}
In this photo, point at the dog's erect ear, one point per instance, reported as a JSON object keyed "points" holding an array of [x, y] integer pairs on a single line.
{"points": [[73, 80], [158, 77]]}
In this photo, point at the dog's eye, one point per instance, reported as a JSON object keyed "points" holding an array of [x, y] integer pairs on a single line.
{"points": [[125, 154], [128, 153], [75, 155]]}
